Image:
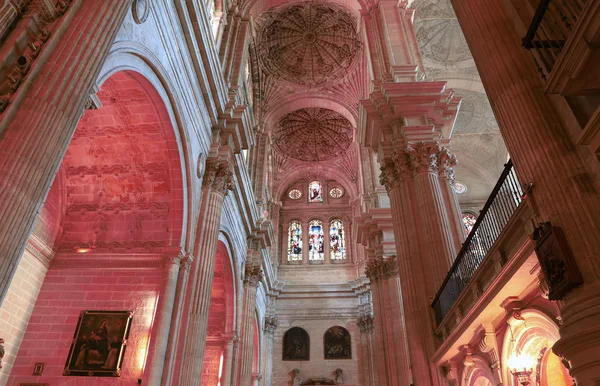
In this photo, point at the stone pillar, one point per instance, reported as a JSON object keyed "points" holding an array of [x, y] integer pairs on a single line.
{"points": [[390, 331], [176, 317], [446, 164], [216, 183], [434, 226], [417, 313], [229, 345], [368, 347], [269, 329], [252, 276], [539, 132], [164, 314], [39, 122]]}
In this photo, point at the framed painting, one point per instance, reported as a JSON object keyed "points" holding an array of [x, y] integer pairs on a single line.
{"points": [[337, 343], [296, 345], [99, 344]]}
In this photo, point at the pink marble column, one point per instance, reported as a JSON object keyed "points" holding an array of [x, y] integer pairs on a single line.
{"points": [[417, 316], [368, 358], [230, 342], [269, 329], [164, 314], [42, 115], [217, 182], [252, 276], [434, 225], [540, 134], [446, 163]]}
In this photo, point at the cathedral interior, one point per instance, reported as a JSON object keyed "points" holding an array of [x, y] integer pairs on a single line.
{"points": [[300, 192]]}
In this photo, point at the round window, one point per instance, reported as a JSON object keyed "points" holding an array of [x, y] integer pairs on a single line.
{"points": [[294, 194], [336, 192]]}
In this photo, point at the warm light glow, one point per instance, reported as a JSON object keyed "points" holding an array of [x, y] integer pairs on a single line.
{"points": [[521, 363], [220, 370], [82, 250]]}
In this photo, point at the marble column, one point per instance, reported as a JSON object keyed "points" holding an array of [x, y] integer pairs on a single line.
{"points": [[176, 317], [446, 163], [540, 134], [164, 314], [252, 276], [216, 183], [230, 342], [269, 330], [434, 225], [368, 358], [395, 176], [39, 121]]}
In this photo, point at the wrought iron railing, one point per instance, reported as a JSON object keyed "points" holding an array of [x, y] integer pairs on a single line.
{"points": [[496, 213], [549, 30]]}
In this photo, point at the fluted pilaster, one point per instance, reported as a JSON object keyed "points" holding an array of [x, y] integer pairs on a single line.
{"points": [[37, 128], [252, 276], [164, 315], [216, 183], [270, 325], [369, 372]]}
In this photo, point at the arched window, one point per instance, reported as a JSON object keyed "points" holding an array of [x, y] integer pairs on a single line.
{"points": [[337, 239], [295, 241], [296, 345], [468, 220], [315, 193], [337, 343], [316, 242]]}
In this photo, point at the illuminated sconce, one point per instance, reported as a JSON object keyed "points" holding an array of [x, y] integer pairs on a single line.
{"points": [[521, 366]]}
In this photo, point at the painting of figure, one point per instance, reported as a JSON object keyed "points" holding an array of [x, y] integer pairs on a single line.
{"points": [[99, 343], [296, 345], [337, 343]]}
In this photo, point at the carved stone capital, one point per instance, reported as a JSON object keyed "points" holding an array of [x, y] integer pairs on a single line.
{"points": [[366, 324], [389, 267], [270, 324], [253, 274], [373, 269], [423, 157], [218, 175], [446, 163], [389, 177]]}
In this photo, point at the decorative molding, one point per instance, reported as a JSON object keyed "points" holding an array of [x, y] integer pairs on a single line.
{"points": [[108, 262], [140, 10]]}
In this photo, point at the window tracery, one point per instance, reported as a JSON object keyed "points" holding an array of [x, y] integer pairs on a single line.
{"points": [[336, 192], [315, 193], [295, 241], [295, 194], [337, 240], [316, 236]]}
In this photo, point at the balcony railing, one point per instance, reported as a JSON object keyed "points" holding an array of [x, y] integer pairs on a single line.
{"points": [[502, 203], [549, 30]]}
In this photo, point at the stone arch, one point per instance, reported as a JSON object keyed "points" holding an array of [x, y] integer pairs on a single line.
{"points": [[136, 58], [333, 173], [533, 334], [478, 374], [123, 172]]}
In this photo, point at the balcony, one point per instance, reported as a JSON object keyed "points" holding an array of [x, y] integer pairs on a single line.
{"points": [[563, 38], [498, 232]]}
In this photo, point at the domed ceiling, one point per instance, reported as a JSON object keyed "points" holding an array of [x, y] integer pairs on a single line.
{"points": [[313, 134], [308, 43]]}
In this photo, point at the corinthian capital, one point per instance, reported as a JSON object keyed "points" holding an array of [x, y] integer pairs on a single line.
{"points": [[218, 175], [423, 157], [446, 163], [389, 267], [253, 274], [373, 269], [270, 324], [394, 170]]}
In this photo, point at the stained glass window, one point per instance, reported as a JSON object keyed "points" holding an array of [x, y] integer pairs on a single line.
{"points": [[336, 192], [295, 241], [295, 194], [468, 220], [336, 239], [314, 192], [316, 236]]}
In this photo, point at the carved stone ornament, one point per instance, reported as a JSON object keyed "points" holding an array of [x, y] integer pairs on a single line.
{"points": [[423, 157], [140, 10], [308, 43], [366, 324], [313, 134], [218, 175], [378, 269], [201, 165], [270, 324], [446, 163], [253, 274], [389, 177], [556, 261]]}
